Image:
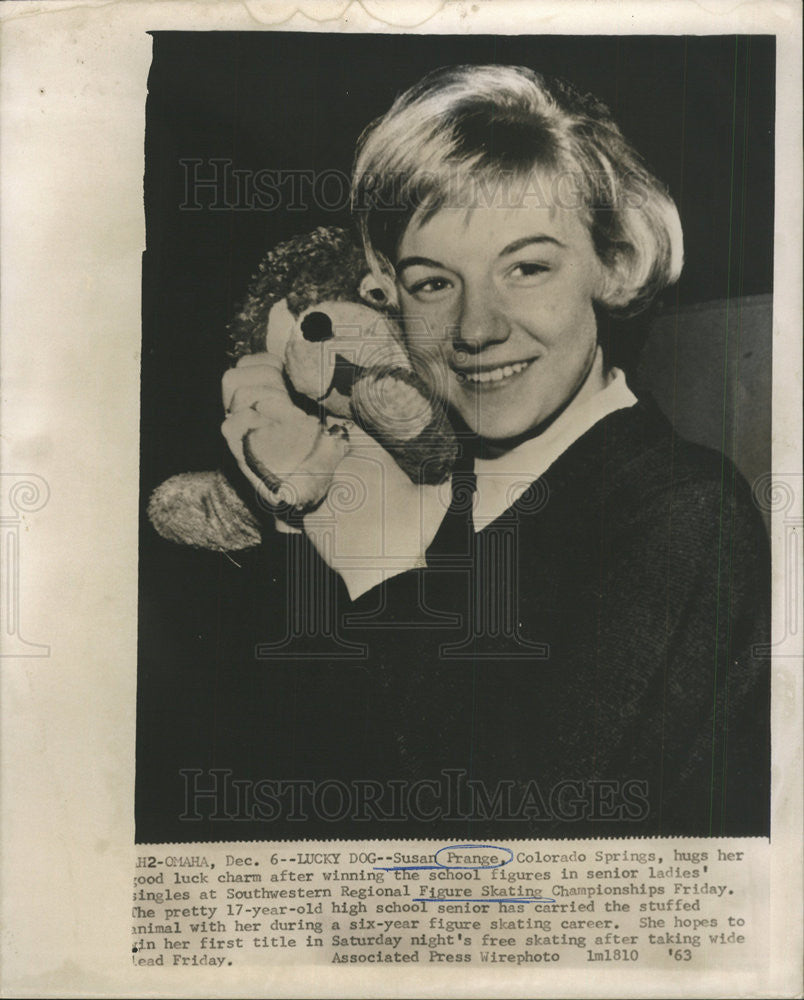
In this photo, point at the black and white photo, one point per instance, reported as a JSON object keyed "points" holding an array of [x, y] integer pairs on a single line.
{"points": [[401, 494], [450, 515]]}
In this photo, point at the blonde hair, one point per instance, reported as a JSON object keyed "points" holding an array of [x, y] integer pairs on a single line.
{"points": [[465, 131]]}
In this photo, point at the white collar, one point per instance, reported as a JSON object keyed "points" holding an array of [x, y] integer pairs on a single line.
{"points": [[502, 481]]}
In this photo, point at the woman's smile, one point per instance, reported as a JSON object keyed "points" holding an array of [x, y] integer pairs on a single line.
{"points": [[491, 377]]}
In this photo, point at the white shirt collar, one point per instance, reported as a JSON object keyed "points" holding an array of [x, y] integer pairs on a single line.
{"points": [[502, 481]]}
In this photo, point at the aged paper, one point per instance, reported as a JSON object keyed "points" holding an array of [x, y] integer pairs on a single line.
{"points": [[91, 897]]}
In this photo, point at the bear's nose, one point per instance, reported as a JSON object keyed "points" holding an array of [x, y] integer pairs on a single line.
{"points": [[317, 326]]}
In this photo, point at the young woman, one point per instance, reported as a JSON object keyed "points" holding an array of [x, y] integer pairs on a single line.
{"points": [[575, 635]]}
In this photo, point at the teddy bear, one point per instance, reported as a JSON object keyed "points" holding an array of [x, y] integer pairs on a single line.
{"points": [[333, 352]]}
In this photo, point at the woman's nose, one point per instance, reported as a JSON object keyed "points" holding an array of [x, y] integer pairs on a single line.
{"points": [[482, 322]]}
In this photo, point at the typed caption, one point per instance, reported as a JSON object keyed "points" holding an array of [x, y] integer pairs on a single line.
{"points": [[634, 903]]}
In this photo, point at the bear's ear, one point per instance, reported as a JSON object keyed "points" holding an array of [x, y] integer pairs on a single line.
{"points": [[378, 291], [280, 326]]}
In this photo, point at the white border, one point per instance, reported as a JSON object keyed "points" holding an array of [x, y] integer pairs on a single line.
{"points": [[72, 92]]}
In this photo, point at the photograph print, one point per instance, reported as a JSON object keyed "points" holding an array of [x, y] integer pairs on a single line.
{"points": [[455, 437]]}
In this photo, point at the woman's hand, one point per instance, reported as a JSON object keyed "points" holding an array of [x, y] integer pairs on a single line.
{"points": [[374, 522], [287, 455], [252, 393]]}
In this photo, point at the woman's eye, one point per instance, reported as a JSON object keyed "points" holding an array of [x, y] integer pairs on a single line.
{"points": [[430, 286], [525, 269]]}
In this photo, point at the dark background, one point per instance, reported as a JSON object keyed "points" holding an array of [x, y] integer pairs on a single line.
{"points": [[699, 109]]}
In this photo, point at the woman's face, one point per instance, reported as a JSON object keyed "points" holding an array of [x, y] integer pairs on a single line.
{"points": [[497, 307]]}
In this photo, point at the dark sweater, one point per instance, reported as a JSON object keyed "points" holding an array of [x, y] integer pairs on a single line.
{"points": [[591, 664]]}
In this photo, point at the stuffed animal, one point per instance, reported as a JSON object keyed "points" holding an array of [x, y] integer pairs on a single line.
{"points": [[334, 355]]}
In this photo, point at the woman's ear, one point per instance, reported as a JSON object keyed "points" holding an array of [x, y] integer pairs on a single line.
{"points": [[378, 290], [613, 285]]}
